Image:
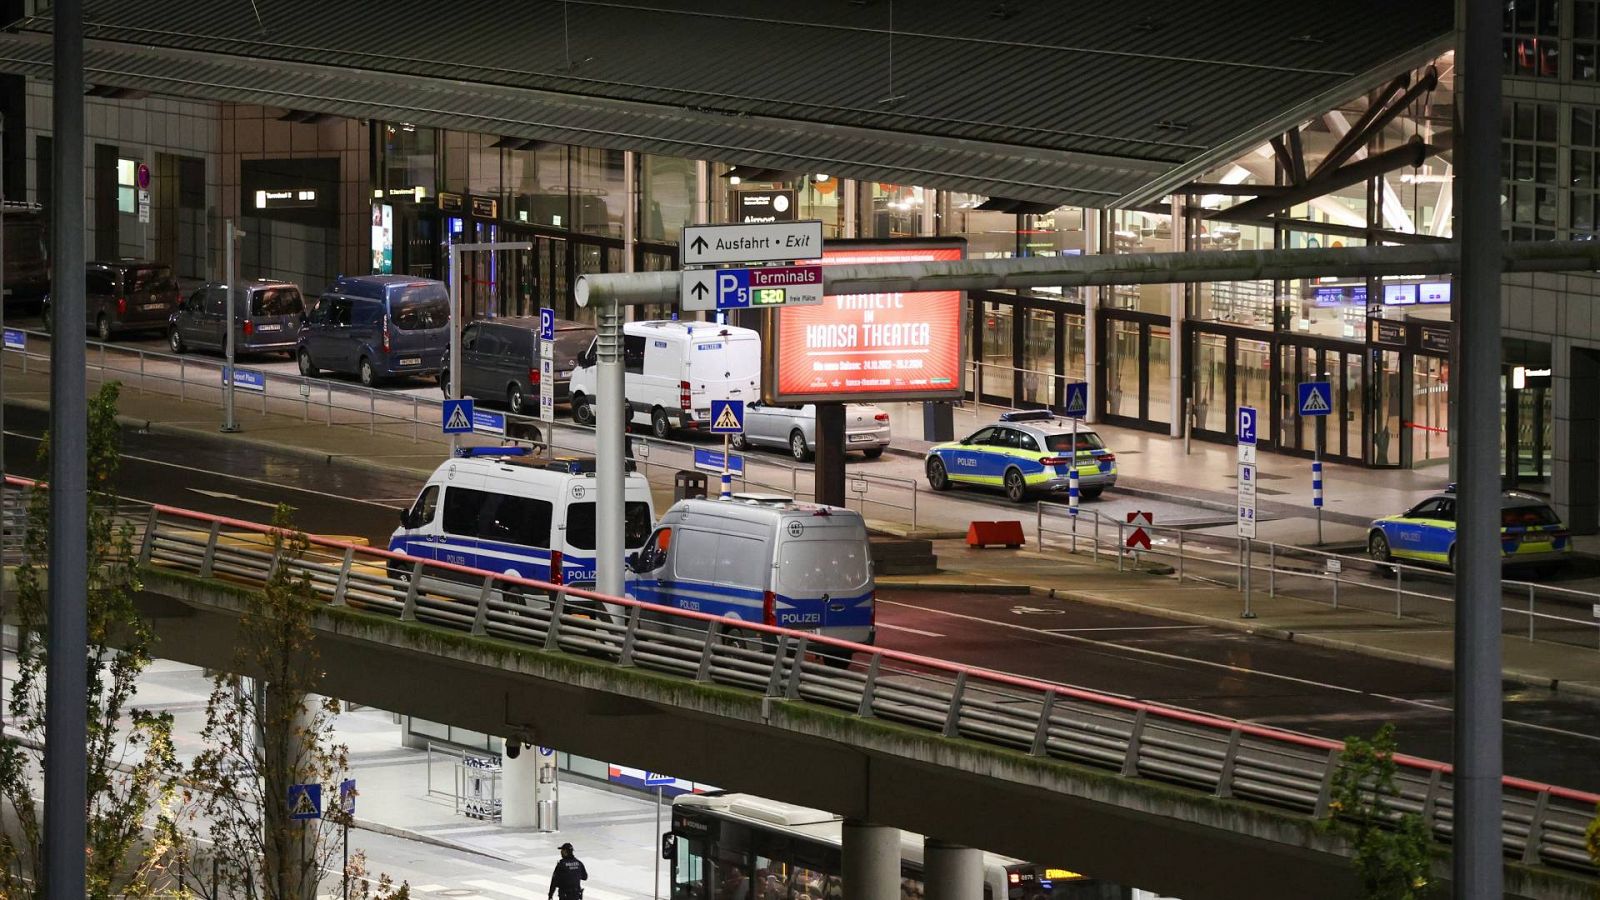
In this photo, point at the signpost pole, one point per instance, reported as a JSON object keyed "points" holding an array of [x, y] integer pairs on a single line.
{"points": [[1316, 474], [1246, 486], [454, 376], [655, 891], [1072, 472], [727, 477], [230, 257]]}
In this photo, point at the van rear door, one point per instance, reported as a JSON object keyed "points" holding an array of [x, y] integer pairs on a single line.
{"points": [[419, 327], [723, 365], [824, 577]]}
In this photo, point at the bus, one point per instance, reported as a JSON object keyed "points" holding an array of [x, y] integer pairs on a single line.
{"points": [[27, 263], [726, 846]]}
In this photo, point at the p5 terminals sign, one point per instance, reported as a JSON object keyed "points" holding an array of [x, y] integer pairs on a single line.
{"points": [[870, 347]]}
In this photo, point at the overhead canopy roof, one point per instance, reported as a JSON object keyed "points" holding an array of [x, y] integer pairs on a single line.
{"points": [[1048, 101]]}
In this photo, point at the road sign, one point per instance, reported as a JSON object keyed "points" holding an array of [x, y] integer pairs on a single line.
{"points": [[711, 461], [16, 340], [705, 245], [1077, 399], [485, 422], [656, 779], [547, 324], [763, 288], [1315, 398], [141, 177], [1247, 425], [347, 796], [144, 207], [246, 379], [696, 290], [1247, 500], [305, 801], [457, 417], [727, 417], [1138, 537], [547, 381]]}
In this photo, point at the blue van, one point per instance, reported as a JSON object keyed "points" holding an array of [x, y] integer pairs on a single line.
{"points": [[377, 327]]}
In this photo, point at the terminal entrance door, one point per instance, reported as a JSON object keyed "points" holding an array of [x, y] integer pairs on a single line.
{"points": [[1341, 366]]}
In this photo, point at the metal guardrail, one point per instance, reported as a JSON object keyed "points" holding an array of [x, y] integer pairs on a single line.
{"points": [[1226, 759], [1267, 569], [188, 377]]}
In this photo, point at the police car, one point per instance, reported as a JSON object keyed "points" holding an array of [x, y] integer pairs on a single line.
{"points": [[1024, 452], [1530, 532]]}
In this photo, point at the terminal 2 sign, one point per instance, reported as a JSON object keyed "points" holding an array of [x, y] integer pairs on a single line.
{"points": [[870, 347]]}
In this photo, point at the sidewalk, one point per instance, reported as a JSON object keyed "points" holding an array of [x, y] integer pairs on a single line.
{"points": [[1546, 664]]}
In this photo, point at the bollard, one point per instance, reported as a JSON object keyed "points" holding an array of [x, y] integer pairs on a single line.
{"points": [[1399, 576], [1530, 610], [1180, 556], [1272, 570]]}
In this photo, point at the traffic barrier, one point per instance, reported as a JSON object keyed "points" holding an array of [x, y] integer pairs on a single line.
{"points": [[986, 534]]}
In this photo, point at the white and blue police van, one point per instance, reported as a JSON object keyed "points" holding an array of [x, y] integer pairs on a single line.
{"points": [[794, 565], [503, 510]]}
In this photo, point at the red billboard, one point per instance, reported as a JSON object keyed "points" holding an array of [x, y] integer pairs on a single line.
{"points": [[870, 347]]}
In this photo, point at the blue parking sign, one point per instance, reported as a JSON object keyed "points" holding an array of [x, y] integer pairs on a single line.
{"points": [[1247, 425], [547, 323]]}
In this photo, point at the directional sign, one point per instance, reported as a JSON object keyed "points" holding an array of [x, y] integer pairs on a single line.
{"points": [[762, 288], [705, 245], [711, 461], [656, 779], [727, 417], [16, 340], [697, 290], [305, 801], [347, 796], [1138, 537], [1315, 398], [1247, 425], [1247, 500], [1077, 399], [547, 324], [246, 379], [485, 422], [457, 418]]}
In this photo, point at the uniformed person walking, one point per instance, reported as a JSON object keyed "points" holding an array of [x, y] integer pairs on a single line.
{"points": [[569, 876]]}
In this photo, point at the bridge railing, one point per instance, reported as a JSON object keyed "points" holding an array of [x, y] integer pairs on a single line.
{"points": [[1158, 743]]}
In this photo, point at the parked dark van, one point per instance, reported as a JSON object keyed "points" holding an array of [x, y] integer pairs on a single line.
{"points": [[125, 295], [377, 327], [500, 360], [266, 316]]}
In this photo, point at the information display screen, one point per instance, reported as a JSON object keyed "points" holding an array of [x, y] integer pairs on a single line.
{"points": [[870, 347]]}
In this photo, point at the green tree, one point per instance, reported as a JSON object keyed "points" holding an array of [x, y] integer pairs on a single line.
{"points": [[1391, 848], [264, 735], [133, 773]]}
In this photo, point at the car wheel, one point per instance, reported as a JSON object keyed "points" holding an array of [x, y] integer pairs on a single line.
{"points": [[739, 443], [1378, 547], [873, 453], [582, 410], [660, 425], [307, 367], [1091, 493], [175, 340], [444, 383], [797, 446], [367, 374], [1452, 558], [102, 328], [938, 478], [516, 400], [1016, 487]]}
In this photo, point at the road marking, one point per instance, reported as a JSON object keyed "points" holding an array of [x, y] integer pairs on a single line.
{"points": [[1036, 610], [933, 634], [1127, 628], [484, 884], [219, 495], [1168, 658]]}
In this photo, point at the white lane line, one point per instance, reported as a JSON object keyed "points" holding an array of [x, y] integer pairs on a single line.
{"points": [[1126, 628], [1171, 658], [933, 634], [484, 884]]}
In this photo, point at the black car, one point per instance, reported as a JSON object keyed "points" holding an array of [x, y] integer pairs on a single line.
{"points": [[125, 295], [500, 360]]}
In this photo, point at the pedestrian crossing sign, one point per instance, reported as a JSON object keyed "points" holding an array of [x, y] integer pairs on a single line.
{"points": [[305, 801], [727, 417], [1077, 399], [457, 417], [1315, 399]]}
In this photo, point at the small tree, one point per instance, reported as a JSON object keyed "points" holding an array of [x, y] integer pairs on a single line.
{"points": [[1391, 848], [265, 736], [133, 773]]}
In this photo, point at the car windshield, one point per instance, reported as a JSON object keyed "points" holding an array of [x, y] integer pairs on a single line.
{"points": [[423, 306], [1061, 443], [284, 301], [152, 280], [1528, 517]]}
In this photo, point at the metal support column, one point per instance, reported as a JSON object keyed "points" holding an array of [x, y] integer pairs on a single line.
{"points": [[829, 464], [609, 442], [951, 871], [1176, 291], [1093, 228], [871, 857], [702, 191], [230, 278], [849, 190], [630, 210], [66, 712], [1478, 858]]}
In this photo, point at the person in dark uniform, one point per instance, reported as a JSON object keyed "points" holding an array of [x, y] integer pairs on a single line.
{"points": [[569, 876]]}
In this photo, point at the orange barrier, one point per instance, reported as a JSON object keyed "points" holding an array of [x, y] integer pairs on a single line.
{"points": [[984, 534]]}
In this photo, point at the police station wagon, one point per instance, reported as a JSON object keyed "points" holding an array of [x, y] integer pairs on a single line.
{"points": [[1023, 453], [1530, 532]]}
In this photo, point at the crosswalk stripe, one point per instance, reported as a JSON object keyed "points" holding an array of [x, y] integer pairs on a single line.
{"points": [[484, 884]]}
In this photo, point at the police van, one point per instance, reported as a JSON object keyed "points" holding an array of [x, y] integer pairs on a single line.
{"points": [[673, 370], [778, 562], [502, 510]]}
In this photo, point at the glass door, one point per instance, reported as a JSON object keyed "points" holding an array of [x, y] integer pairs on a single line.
{"points": [[996, 370], [1430, 410], [1210, 387], [1388, 393]]}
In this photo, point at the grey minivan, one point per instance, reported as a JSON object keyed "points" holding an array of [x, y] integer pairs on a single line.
{"points": [[500, 360], [377, 327], [125, 295], [267, 317]]}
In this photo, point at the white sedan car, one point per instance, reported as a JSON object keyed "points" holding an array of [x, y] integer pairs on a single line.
{"points": [[794, 428]]}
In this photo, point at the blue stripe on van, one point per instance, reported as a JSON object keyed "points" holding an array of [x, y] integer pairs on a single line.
{"points": [[745, 604]]}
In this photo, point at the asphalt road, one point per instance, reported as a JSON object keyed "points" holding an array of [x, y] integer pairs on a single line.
{"points": [[1549, 737]]}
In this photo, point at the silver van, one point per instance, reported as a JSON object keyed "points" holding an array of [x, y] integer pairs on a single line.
{"points": [[793, 565]]}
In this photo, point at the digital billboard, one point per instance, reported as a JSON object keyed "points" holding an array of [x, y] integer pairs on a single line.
{"points": [[870, 347]]}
